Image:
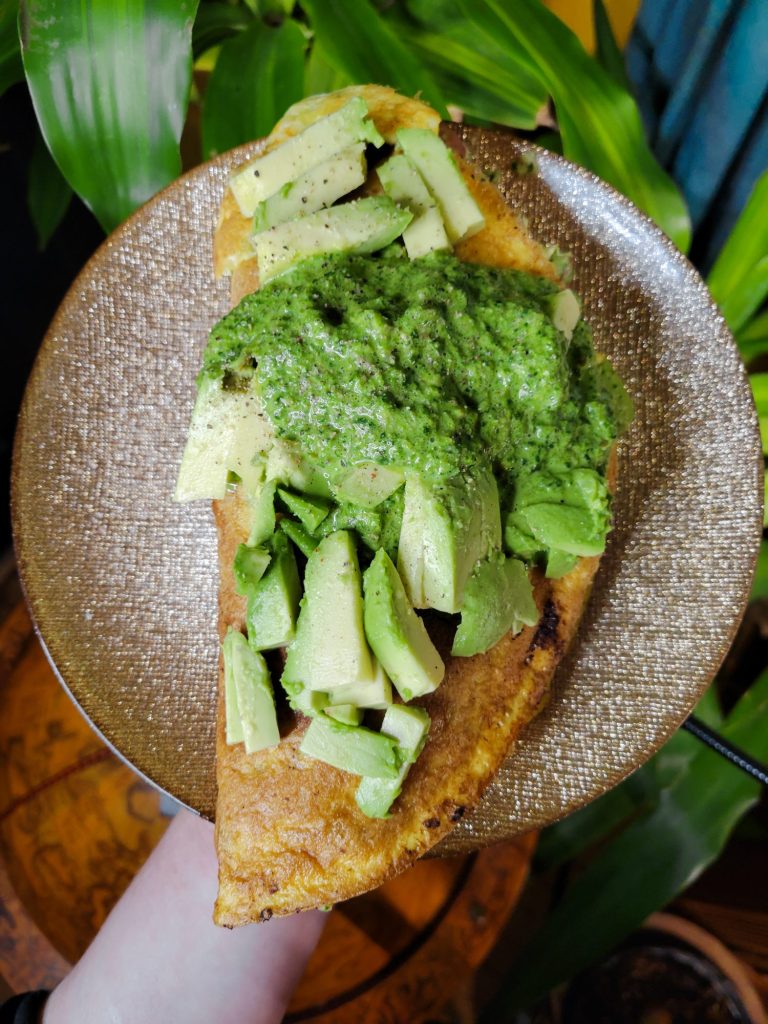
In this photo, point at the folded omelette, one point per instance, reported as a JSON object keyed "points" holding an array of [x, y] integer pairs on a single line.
{"points": [[290, 834]]}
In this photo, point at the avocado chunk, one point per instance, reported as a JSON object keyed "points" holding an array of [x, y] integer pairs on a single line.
{"points": [[249, 566], [330, 135], [559, 564], [409, 726], [352, 748], [309, 702], [346, 713], [263, 519], [572, 530], [286, 465], [437, 166], [360, 226], [299, 536], [311, 511], [567, 512], [228, 431], [396, 634], [234, 726], [518, 540], [273, 604], [446, 529], [565, 311], [253, 688], [403, 183], [368, 485], [498, 599], [366, 523], [374, 693], [317, 188], [330, 646]]}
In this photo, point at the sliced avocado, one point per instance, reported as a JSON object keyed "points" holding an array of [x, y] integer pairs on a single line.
{"points": [[252, 437], [320, 141], [228, 431], [308, 702], [249, 566], [437, 166], [253, 687], [299, 536], [330, 646], [273, 604], [360, 226], [403, 183], [369, 485], [346, 713], [366, 523], [263, 519], [559, 564], [498, 599], [569, 529], [310, 510], [396, 634], [409, 726], [446, 529], [234, 726], [317, 188], [518, 540], [352, 748], [374, 693], [565, 311], [579, 488], [569, 512], [286, 465]]}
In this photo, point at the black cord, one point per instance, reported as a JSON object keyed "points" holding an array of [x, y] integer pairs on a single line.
{"points": [[714, 740]]}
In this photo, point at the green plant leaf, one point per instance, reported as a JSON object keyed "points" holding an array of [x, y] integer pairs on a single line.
{"points": [[48, 193], [760, 581], [608, 54], [752, 339], [216, 22], [739, 279], [259, 73], [759, 384], [473, 72], [476, 83], [360, 44], [320, 75], [11, 68], [651, 861], [599, 121], [110, 81]]}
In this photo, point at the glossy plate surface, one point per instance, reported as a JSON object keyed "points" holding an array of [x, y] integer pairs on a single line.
{"points": [[123, 583]]}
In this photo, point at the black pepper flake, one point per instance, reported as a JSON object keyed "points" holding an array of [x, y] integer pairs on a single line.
{"points": [[432, 823], [458, 813], [265, 914]]}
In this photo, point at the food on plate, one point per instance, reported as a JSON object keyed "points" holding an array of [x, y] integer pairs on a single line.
{"points": [[409, 442]]}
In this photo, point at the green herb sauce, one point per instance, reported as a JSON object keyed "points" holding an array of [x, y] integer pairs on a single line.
{"points": [[432, 365]]}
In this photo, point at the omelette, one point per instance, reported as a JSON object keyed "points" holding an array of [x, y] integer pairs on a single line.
{"points": [[290, 835]]}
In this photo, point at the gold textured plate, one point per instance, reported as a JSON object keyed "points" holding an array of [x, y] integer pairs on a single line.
{"points": [[123, 583]]}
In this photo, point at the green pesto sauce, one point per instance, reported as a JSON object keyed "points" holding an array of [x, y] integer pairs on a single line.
{"points": [[433, 365]]}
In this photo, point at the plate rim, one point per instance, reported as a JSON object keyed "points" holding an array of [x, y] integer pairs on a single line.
{"points": [[466, 133]]}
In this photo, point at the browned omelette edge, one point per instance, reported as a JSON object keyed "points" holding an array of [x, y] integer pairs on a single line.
{"points": [[288, 832]]}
